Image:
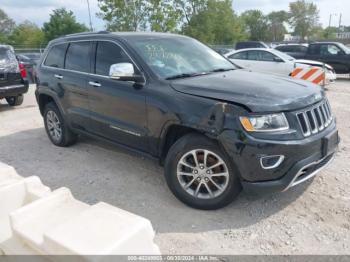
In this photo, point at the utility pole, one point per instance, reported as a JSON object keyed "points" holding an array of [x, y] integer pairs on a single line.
{"points": [[340, 17], [88, 4]]}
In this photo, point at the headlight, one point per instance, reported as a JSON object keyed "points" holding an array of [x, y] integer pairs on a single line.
{"points": [[265, 123]]}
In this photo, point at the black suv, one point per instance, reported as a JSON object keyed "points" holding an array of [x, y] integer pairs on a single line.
{"points": [[216, 128], [13, 78]]}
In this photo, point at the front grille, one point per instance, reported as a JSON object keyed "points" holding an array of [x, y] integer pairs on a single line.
{"points": [[314, 119]]}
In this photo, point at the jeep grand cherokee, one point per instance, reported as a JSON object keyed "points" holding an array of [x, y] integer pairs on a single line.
{"points": [[215, 127]]}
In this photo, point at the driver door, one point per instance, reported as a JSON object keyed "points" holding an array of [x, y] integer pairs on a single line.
{"points": [[118, 108]]}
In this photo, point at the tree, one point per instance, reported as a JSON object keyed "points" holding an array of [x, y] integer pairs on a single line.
{"points": [[304, 17], [27, 34], [256, 24], [62, 22], [6, 26], [189, 8], [276, 22], [215, 24], [162, 16], [124, 15]]}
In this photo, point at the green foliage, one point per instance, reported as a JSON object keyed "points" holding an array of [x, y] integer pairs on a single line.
{"points": [[304, 17], [6, 26], [215, 24], [276, 25], [62, 22], [27, 34], [124, 15], [256, 25], [163, 17]]}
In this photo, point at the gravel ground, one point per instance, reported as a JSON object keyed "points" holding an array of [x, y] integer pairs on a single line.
{"points": [[313, 218]]}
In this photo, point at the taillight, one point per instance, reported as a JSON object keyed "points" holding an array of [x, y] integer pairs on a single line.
{"points": [[22, 70]]}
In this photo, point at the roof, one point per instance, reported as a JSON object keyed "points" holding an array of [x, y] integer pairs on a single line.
{"points": [[123, 35]]}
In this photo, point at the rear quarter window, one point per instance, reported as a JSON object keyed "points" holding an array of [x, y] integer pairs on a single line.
{"points": [[55, 56]]}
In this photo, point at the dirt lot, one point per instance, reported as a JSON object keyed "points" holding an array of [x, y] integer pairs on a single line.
{"points": [[313, 218]]}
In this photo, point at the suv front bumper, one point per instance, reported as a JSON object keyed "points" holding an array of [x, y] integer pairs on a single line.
{"points": [[303, 159]]}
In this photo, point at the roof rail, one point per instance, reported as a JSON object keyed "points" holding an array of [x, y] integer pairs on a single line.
{"points": [[87, 33]]}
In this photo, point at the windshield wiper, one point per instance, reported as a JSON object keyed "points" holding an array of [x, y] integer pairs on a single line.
{"points": [[221, 70], [185, 75]]}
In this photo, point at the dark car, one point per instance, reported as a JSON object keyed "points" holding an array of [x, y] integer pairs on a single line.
{"points": [[29, 60], [335, 54], [13, 80], [251, 44], [214, 127], [297, 51]]}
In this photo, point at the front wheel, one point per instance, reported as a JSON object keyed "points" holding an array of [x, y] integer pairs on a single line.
{"points": [[15, 100], [200, 174]]}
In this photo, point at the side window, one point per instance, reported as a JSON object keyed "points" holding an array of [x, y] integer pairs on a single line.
{"points": [[55, 57], [314, 50], [107, 54], [253, 55], [266, 56], [302, 48], [333, 50], [282, 48], [78, 57], [240, 56]]}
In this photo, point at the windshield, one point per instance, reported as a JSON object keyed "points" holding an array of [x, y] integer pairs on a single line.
{"points": [[345, 48], [284, 56], [176, 57]]}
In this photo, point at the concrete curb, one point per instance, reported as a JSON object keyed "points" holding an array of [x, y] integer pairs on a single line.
{"points": [[35, 220]]}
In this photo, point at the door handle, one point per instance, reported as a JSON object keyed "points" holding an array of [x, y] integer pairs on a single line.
{"points": [[58, 76], [95, 84]]}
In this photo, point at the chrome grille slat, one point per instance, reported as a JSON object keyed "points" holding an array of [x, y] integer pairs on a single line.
{"points": [[315, 119]]}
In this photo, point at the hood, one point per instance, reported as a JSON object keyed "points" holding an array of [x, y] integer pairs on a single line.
{"points": [[257, 91], [313, 63]]}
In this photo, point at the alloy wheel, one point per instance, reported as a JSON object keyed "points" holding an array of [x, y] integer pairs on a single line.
{"points": [[203, 174]]}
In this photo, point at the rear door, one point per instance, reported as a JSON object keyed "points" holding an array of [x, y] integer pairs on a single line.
{"points": [[118, 107], [263, 61], [74, 79]]}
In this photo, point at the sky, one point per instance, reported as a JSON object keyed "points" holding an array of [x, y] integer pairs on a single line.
{"points": [[38, 11]]}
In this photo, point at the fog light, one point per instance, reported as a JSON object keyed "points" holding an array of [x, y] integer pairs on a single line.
{"points": [[271, 162]]}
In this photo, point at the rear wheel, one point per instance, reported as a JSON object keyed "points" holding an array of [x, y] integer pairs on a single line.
{"points": [[200, 173], [56, 128], [15, 100]]}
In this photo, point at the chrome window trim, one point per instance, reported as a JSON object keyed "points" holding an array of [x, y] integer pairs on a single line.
{"points": [[84, 73]]}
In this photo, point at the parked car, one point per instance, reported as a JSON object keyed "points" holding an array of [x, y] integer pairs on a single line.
{"points": [[222, 50], [13, 80], [29, 60], [214, 127], [335, 54], [273, 61], [251, 44], [298, 51]]}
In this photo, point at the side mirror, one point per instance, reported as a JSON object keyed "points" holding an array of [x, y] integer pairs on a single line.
{"points": [[278, 59], [124, 72]]}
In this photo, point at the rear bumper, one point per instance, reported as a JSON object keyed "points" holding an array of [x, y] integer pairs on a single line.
{"points": [[13, 90]]}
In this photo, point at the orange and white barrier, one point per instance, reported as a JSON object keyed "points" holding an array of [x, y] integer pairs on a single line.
{"points": [[315, 75], [37, 221]]}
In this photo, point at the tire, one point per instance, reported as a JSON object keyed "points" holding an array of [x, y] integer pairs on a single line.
{"points": [[56, 128], [15, 100], [228, 186]]}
